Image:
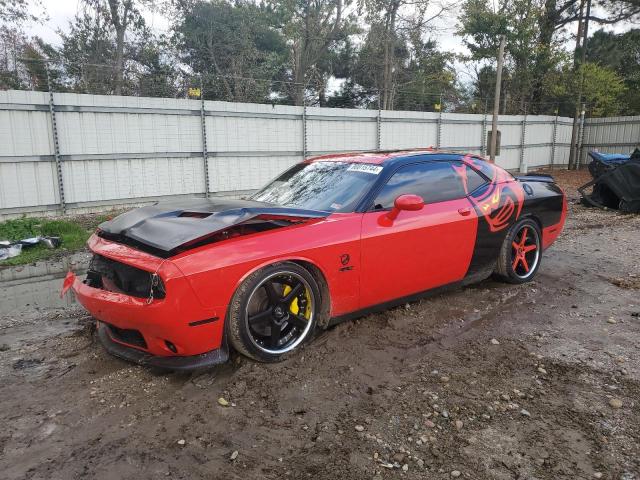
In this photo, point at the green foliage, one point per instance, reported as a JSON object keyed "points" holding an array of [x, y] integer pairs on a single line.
{"points": [[428, 79], [73, 236], [538, 71], [15, 11], [603, 89], [621, 53], [237, 42], [87, 46], [520, 22], [481, 28]]}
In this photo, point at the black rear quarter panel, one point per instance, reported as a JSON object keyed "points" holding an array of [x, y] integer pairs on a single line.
{"points": [[543, 200]]}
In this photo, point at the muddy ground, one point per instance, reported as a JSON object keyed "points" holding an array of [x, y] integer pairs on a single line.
{"points": [[540, 381]]}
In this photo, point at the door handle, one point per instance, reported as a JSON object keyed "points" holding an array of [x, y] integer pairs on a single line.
{"points": [[464, 211]]}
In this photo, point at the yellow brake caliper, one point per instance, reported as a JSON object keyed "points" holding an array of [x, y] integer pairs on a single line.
{"points": [[294, 308]]}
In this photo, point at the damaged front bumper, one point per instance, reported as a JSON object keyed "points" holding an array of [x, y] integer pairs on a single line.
{"points": [[175, 363], [176, 332]]}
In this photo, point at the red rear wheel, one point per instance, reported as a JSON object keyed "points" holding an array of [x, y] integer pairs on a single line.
{"points": [[521, 253]]}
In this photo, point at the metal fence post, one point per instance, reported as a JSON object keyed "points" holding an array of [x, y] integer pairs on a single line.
{"points": [[205, 152], [56, 143], [554, 139], [523, 143], [304, 130], [379, 129], [439, 132]]}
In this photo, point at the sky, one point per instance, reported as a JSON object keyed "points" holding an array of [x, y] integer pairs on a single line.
{"points": [[60, 12]]}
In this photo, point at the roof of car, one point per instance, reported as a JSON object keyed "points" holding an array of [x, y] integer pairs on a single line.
{"points": [[380, 158]]}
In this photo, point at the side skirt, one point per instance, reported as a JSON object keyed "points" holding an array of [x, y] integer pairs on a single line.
{"points": [[395, 302]]}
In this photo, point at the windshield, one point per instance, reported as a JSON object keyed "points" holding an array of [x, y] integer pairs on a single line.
{"points": [[326, 186]]}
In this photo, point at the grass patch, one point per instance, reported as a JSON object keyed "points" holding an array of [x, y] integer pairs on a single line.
{"points": [[74, 235]]}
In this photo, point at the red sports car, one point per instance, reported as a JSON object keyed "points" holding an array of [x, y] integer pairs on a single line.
{"points": [[177, 284]]}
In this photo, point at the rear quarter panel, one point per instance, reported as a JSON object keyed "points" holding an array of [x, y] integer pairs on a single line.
{"points": [[546, 202]]}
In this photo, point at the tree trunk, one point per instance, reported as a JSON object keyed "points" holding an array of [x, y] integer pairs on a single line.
{"points": [[322, 93], [574, 131], [389, 54], [119, 66], [120, 24], [299, 76]]}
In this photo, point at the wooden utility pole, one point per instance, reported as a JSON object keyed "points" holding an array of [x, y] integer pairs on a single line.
{"points": [[496, 101], [583, 32]]}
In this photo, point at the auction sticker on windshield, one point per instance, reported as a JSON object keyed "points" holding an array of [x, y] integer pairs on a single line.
{"points": [[365, 168]]}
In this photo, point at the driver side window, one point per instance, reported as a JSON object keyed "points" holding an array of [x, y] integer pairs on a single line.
{"points": [[433, 181]]}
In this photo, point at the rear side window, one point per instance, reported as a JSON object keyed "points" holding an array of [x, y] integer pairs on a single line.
{"points": [[474, 180], [433, 181], [484, 167]]}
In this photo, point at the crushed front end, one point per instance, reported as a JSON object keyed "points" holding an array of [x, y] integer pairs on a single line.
{"points": [[147, 310]]}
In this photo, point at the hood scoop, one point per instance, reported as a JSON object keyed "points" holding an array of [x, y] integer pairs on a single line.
{"points": [[195, 214]]}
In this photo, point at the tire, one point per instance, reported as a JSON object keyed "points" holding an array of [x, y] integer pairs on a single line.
{"points": [[519, 261], [273, 312]]}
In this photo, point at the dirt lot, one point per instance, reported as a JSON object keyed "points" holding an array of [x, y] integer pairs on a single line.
{"points": [[540, 381]]}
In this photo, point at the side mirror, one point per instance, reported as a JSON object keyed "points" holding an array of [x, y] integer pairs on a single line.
{"points": [[409, 203]]}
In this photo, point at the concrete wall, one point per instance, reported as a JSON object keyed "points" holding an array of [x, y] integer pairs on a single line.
{"points": [[115, 150]]}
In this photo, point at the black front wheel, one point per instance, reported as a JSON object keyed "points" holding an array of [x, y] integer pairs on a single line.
{"points": [[273, 312], [521, 253]]}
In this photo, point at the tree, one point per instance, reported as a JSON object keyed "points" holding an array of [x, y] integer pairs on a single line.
{"points": [[428, 78], [12, 42], [558, 14], [603, 89], [118, 17], [157, 75], [122, 14], [518, 20], [395, 35], [15, 46], [16, 11], [313, 30], [535, 33], [234, 46], [621, 53], [87, 52], [98, 58]]}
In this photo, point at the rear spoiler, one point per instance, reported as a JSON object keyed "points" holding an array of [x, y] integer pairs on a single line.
{"points": [[538, 177]]}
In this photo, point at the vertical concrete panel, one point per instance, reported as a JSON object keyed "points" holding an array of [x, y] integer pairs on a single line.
{"points": [[461, 136], [339, 130], [25, 133], [246, 173], [410, 134]]}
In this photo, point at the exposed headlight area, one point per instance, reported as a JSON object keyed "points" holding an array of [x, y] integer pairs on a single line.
{"points": [[117, 277]]}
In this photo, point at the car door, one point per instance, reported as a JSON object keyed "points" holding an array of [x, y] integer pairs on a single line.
{"points": [[423, 249]]}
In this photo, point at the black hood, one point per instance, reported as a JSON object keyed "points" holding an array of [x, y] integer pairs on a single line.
{"points": [[166, 226]]}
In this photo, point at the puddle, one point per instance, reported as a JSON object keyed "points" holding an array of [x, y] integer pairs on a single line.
{"points": [[38, 285], [38, 293]]}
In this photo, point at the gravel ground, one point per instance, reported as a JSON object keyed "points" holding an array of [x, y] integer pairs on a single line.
{"points": [[539, 381]]}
